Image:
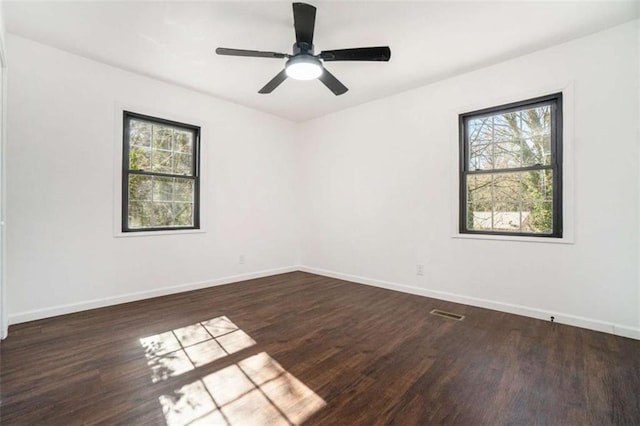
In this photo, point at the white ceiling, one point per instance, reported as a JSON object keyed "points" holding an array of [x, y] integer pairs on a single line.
{"points": [[175, 41]]}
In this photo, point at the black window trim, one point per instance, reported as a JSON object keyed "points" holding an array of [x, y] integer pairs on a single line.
{"points": [[555, 101], [126, 117]]}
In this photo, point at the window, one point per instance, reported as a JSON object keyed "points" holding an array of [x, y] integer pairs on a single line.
{"points": [[511, 169], [160, 174]]}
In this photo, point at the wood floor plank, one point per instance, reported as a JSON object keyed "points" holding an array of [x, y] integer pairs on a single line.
{"points": [[301, 347]]}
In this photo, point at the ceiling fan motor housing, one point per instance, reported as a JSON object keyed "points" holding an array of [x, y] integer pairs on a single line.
{"points": [[302, 48]]}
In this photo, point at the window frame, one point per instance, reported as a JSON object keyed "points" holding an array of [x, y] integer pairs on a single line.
{"points": [[556, 164], [126, 172]]}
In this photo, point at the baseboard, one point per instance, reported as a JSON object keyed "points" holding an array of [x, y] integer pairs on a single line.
{"points": [[568, 319], [140, 295]]}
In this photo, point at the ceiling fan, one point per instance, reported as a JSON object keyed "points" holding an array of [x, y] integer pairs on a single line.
{"points": [[302, 64]]}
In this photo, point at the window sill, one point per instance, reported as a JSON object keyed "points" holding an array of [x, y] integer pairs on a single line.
{"points": [[120, 234], [518, 238]]}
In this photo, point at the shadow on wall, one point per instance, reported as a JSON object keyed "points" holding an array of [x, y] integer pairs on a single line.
{"points": [[255, 390]]}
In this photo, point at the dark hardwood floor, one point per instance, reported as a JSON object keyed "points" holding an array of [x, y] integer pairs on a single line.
{"points": [[299, 348]]}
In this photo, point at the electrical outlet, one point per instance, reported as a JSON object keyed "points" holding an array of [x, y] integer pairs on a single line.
{"points": [[420, 270], [241, 259]]}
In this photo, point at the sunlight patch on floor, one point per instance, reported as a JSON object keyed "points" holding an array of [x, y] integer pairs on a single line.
{"points": [[178, 351], [256, 390]]}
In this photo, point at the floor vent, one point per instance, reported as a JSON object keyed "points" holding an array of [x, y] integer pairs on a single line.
{"points": [[447, 315]]}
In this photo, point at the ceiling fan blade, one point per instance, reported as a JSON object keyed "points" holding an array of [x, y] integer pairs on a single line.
{"points": [[332, 83], [381, 53], [275, 82], [304, 21], [250, 53]]}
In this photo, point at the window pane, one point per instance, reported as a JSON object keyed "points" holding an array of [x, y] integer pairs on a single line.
{"points": [[139, 158], [162, 189], [507, 217], [162, 137], [140, 214], [536, 150], [183, 142], [183, 213], [480, 156], [507, 155], [161, 149], [479, 191], [156, 201], [183, 164], [539, 184], [506, 190], [478, 218], [510, 202], [540, 218], [162, 161], [140, 133], [506, 140], [480, 130], [140, 188], [183, 190], [163, 214]]}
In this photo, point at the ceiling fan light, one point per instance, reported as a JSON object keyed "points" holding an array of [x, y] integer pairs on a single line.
{"points": [[303, 67]]}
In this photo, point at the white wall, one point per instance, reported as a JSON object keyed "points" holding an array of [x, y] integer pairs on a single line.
{"points": [[380, 192], [64, 138]]}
